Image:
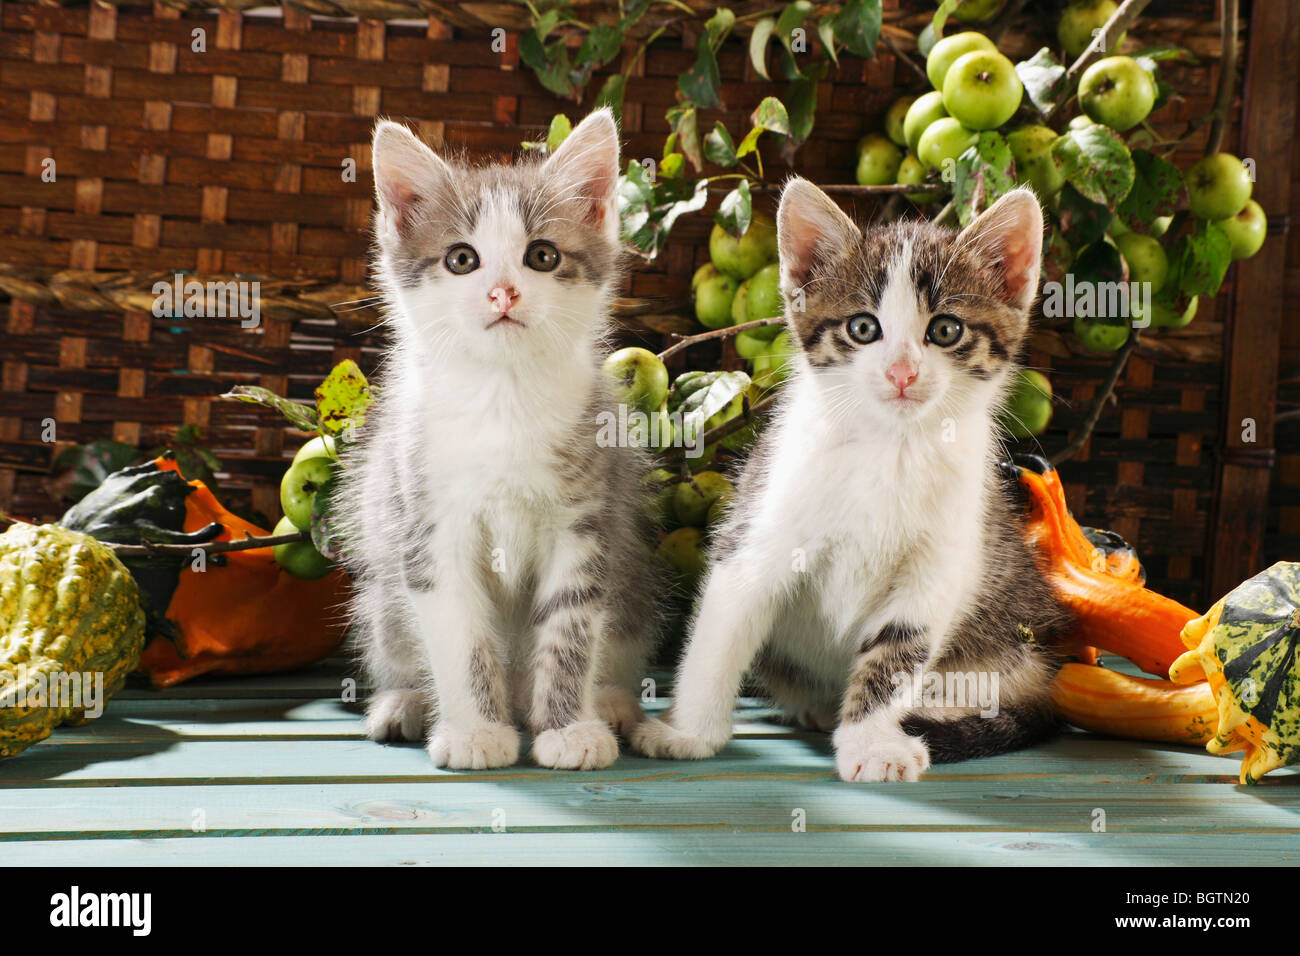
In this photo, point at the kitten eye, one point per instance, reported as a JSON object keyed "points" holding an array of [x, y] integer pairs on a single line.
{"points": [[863, 328], [542, 256], [461, 259], [944, 330]]}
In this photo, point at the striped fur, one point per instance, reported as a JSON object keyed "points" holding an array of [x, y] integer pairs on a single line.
{"points": [[501, 556], [872, 546]]}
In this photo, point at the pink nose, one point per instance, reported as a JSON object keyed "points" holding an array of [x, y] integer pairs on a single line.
{"points": [[902, 374], [502, 298]]}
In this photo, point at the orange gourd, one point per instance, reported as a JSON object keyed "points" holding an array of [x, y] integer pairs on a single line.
{"points": [[1112, 609], [246, 616]]}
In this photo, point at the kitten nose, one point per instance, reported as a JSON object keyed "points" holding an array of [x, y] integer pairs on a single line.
{"points": [[502, 298], [902, 374]]}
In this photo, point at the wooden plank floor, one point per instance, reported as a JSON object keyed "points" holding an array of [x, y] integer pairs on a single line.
{"points": [[279, 768]]}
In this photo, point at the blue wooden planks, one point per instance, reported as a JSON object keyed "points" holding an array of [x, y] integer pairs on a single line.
{"points": [[277, 770]]}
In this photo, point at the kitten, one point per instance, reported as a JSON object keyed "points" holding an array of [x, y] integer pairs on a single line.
{"points": [[501, 559], [872, 540]]}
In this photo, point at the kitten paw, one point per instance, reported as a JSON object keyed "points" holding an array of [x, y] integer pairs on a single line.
{"points": [[585, 745], [396, 715], [619, 709], [656, 738], [482, 748], [864, 753]]}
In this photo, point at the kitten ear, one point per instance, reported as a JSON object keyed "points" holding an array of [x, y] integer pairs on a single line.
{"points": [[585, 169], [809, 227], [405, 171], [1010, 232]]}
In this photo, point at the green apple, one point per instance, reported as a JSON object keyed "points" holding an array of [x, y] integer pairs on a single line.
{"points": [[1160, 225], [749, 345], [706, 271], [927, 108], [764, 300], [713, 301], [1218, 187], [894, 118], [1098, 336], [981, 90], [946, 52], [944, 139], [1164, 314], [776, 357], [691, 501], [1118, 228], [1246, 230], [322, 446], [1029, 404], [1146, 259], [1117, 92], [1080, 20], [299, 558], [738, 303], [1031, 147], [911, 172], [977, 11], [741, 258], [683, 550], [640, 380], [878, 160], [659, 488], [303, 478]]}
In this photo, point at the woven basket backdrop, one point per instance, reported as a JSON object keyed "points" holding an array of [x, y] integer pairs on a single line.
{"points": [[231, 161]]}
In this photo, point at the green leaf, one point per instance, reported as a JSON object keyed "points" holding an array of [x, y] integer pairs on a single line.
{"points": [[719, 148], [801, 102], [600, 45], [934, 29], [792, 17], [1097, 163], [984, 173], [1043, 77], [771, 114], [611, 95], [558, 133], [826, 33], [342, 399], [698, 396], [700, 84], [1097, 264], [300, 416], [736, 210], [647, 211], [857, 26], [683, 121], [672, 164], [1166, 51], [718, 26], [91, 463], [550, 63], [1200, 259], [758, 45], [1082, 220], [1157, 191]]}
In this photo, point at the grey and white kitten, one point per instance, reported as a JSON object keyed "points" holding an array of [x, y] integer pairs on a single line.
{"points": [[501, 560], [872, 541]]}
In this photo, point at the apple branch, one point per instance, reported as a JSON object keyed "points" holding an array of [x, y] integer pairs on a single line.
{"points": [[247, 543], [1099, 402], [1227, 76], [686, 341], [1102, 41]]}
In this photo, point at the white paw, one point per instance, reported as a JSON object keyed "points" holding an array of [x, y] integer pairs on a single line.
{"points": [[396, 715], [656, 738], [619, 709], [585, 745], [480, 748], [870, 753]]}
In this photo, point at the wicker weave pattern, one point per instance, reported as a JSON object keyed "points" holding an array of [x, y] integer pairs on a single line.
{"points": [[231, 161]]}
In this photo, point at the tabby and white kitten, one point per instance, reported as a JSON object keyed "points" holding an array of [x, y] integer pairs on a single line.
{"points": [[871, 535], [501, 564]]}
